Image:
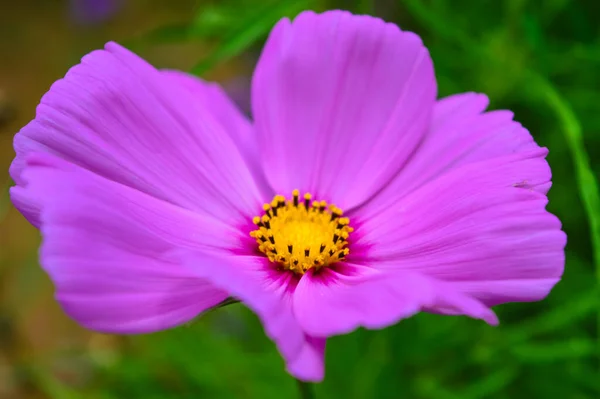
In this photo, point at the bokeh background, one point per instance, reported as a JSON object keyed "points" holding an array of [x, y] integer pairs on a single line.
{"points": [[540, 59]]}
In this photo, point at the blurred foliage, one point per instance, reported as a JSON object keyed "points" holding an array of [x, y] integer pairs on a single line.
{"points": [[539, 59]]}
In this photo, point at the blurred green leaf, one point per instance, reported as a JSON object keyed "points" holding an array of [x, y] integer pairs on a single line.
{"points": [[429, 387], [492, 384], [585, 377], [173, 33], [587, 183], [247, 31], [578, 307], [365, 7], [367, 370], [554, 351]]}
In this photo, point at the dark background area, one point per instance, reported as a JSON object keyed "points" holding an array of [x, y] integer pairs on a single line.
{"points": [[540, 59]]}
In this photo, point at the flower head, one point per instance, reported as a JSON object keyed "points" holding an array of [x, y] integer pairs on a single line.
{"points": [[157, 199]]}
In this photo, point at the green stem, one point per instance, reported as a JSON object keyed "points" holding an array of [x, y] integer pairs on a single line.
{"points": [[305, 390]]}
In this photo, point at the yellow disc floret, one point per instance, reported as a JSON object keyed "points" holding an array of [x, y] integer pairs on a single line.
{"points": [[300, 234]]}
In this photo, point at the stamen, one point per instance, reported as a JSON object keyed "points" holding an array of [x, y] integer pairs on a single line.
{"points": [[322, 206], [267, 209], [307, 198], [280, 201], [266, 221], [317, 229]]}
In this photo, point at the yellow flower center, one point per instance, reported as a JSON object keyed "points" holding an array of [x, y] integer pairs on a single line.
{"points": [[299, 235]]}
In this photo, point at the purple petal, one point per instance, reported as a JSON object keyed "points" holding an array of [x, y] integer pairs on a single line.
{"points": [[450, 299], [268, 292], [309, 365], [120, 118], [337, 301], [462, 133], [482, 228], [110, 250], [340, 102], [216, 102]]}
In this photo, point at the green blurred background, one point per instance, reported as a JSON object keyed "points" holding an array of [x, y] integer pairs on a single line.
{"points": [[540, 59]]}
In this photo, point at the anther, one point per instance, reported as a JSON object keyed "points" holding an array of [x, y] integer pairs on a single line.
{"points": [[342, 222], [336, 237], [307, 251], [290, 248], [322, 206], [267, 209], [296, 194], [271, 238], [280, 201], [322, 248], [307, 198], [265, 222]]}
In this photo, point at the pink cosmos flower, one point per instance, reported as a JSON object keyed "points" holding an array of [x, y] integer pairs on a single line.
{"points": [[148, 187]]}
